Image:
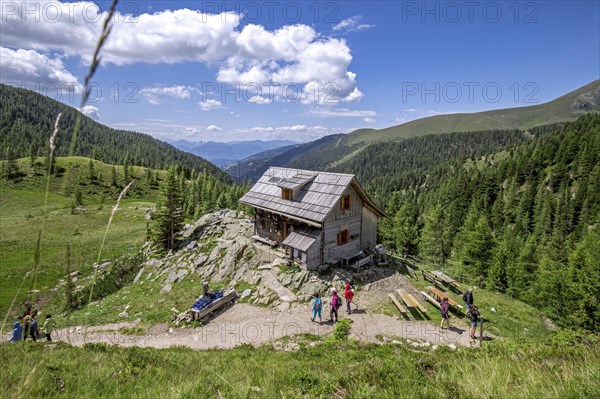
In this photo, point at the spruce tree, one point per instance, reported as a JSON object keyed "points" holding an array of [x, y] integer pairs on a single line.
{"points": [[169, 215]]}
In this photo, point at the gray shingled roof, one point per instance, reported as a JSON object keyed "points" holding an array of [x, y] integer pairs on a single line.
{"points": [[302, 239], [315, 200]]}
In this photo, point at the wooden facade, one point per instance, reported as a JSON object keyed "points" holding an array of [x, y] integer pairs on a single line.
{"points": [[320, 218]]}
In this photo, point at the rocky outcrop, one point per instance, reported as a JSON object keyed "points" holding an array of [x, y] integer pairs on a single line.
{"points": [[219, 248]]}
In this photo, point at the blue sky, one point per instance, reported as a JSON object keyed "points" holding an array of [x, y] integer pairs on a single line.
{"points": [[226, 71]]}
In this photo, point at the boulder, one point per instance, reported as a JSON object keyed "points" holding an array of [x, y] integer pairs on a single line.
{"points": [[154, 263], [246, 293], [200, 259], [166, 289], [138, 275]]}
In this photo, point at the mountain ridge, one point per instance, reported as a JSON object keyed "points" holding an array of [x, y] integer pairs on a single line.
{"points": [[331, 151], [27, 120]]}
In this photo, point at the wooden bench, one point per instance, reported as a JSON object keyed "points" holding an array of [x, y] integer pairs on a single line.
{"points": [[432, 278], [440, 295], [401, 308], [447, 280], [411, 301], [430, 299]]}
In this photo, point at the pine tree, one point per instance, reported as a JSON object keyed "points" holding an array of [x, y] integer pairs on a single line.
{"points": [[126, 169], [474, 244], [169, 215], [114, 177], [584, 269], [405, 230], [432, 243], [91, 172]]}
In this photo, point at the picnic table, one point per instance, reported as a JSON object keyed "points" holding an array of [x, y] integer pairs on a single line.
{"points": [[347, 258], [449, 281], [411, 301], [439, 295]]}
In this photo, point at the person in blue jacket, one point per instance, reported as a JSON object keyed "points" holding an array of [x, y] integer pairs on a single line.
{"points": [[17, 332], [317, 305]]}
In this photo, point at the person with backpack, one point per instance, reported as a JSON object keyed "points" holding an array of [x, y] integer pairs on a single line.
{"points": [[317, 306], [444, 312], [473, 315], [349, 295], [33, 329], [468, 298], [336, 303], [48, 327]]}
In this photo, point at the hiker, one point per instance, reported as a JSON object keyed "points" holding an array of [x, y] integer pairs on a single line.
{"points": [[25, 327], [335, 303], [473, 315], [317, 306], [17, 331], [468, 298], [444, 312], [33, 329], [348, 294], [48, 327]]}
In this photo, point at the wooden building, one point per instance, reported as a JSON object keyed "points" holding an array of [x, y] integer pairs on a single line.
{"points": [[319, 217]]}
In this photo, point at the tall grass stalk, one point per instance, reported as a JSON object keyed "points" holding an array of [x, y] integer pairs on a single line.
{"points": [[96, 59], [13, 303], [110, 219]]}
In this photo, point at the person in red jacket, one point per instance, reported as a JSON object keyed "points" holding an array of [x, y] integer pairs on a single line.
{"points": [[348, 294]]}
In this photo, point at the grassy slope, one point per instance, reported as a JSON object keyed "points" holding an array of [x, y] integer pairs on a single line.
{"points": [[339, 370], [558, 110], [21, 209]]}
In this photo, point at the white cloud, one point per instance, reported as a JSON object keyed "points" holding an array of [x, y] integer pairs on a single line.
{"points": [[210, 104], [341, 113], [299, 133], [252, 54], [351, 24], [213, 128], [259, 100], [91, 111], [30, 69], [153, 94], [369, 120]]}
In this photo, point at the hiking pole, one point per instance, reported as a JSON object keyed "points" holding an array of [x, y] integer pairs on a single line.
{"points": [[480, 330]]}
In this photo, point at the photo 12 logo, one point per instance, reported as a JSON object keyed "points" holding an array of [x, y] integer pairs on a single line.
{"points": [[68, 92], [454, 92], [273, 11], [453, 12], [56, 11]]}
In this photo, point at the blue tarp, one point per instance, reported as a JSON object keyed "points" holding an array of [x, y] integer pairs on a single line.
{"points": [[206, 300]]}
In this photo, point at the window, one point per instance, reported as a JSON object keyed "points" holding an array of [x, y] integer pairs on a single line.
{"points": [[287, 194], [345, 204], [343, 237]]}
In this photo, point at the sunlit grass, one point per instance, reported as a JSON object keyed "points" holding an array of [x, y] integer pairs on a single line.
{"points": [[329, 369]]}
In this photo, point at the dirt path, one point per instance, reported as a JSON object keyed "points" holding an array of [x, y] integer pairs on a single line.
{"points": [[247, 324]]}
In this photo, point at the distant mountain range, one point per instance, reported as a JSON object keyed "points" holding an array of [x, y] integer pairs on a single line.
{"points": [[27, 121], [331, 152], [222, 154]]}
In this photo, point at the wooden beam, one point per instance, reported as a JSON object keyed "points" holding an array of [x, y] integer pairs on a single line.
{"points": [[430, 299], [401, 308]]}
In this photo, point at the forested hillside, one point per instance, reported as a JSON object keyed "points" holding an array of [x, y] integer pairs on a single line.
{"points": [[348, 152], [387, 167], [27, 121], [525, 221]]}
